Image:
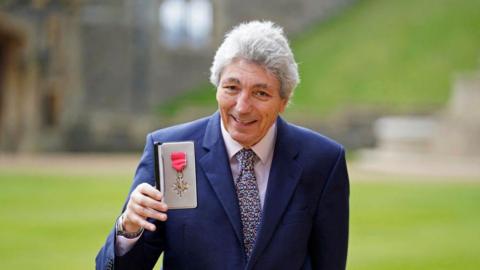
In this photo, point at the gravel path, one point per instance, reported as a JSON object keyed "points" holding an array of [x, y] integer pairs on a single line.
{"points": [[367, 167], [71, 163]]}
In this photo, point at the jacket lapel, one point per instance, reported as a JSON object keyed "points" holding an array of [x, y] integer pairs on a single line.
{"points": [[216, 166], [284, 176]]}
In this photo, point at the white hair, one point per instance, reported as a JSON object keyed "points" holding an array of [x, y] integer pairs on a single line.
{"points": [[263, 43]]}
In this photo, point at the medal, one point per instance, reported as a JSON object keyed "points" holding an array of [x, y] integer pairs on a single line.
{"points": [[179, 162]]}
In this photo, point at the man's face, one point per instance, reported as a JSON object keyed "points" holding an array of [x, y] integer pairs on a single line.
{"points": [[249, 101]]}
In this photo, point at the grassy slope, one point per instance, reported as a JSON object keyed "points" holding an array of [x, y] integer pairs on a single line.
{"points": [[399, 55], [59, 221], [395, 55]]}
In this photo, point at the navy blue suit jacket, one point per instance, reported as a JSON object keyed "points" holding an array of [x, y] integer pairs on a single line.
{"points": [[304, 221]]}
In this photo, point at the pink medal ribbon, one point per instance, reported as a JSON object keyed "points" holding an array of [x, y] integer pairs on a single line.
{"points": [[179, 162]]}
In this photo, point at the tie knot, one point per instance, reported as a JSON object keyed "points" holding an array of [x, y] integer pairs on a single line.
{"points": [[246, 157]]}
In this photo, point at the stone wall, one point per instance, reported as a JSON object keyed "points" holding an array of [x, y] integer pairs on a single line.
{"points": [[458, 131], [454, 131]]}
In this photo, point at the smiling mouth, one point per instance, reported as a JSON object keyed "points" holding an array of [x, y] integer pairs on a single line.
{"points": [[243, 122]]}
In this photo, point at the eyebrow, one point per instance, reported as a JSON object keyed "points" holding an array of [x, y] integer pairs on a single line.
{"points": [[237, 81], [261, 85], [231, 80]]}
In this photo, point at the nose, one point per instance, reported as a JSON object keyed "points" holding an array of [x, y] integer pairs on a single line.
{"points": [[243, 104]]}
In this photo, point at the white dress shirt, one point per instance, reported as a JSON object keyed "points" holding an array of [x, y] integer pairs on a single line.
{"points": [[263, 149]]}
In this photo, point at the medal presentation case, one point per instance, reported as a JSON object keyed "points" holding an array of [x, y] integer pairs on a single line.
{"points": [[175, 174]]}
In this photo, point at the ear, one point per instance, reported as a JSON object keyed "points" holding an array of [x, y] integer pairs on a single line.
{"points": [[217, 93]]}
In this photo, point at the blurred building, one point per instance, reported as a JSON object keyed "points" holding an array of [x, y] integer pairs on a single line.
{"points": [[82, 75]]}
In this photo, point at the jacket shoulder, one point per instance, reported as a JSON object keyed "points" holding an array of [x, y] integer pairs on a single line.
{"points": [[313, 142]]}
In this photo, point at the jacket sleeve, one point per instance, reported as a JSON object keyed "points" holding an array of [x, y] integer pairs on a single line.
{"points": [[106, 257], [150, 245], [329, 238]]}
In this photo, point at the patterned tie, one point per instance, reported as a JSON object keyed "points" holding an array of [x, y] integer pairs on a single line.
{"points": [[248, 198]]}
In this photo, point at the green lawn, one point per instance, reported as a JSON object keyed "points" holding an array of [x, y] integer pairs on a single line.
{"points": [[59, 221], [415, 226], [52, 221], [389, 55]]}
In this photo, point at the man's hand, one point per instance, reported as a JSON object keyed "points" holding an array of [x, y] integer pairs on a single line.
{"points": [[144, 203]]}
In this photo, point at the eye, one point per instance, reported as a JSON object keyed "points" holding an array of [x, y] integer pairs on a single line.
{"points": [[230, 87], [262, 94]]}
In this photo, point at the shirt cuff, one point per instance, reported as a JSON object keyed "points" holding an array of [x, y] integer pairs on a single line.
{"points": [[124, 245]]}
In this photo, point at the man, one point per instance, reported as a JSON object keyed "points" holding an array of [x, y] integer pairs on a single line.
{"points": [[271, 195]]}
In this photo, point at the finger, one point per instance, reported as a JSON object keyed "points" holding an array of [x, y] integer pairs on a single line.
{"points": [[145, 201], [140, 221], [150, 191], [149, 213]]}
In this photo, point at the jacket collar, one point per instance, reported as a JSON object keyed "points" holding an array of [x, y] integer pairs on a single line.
{"points": [[284, 176]]}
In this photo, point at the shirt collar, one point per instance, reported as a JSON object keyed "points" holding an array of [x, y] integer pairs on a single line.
{"points": [[263, 149]]}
